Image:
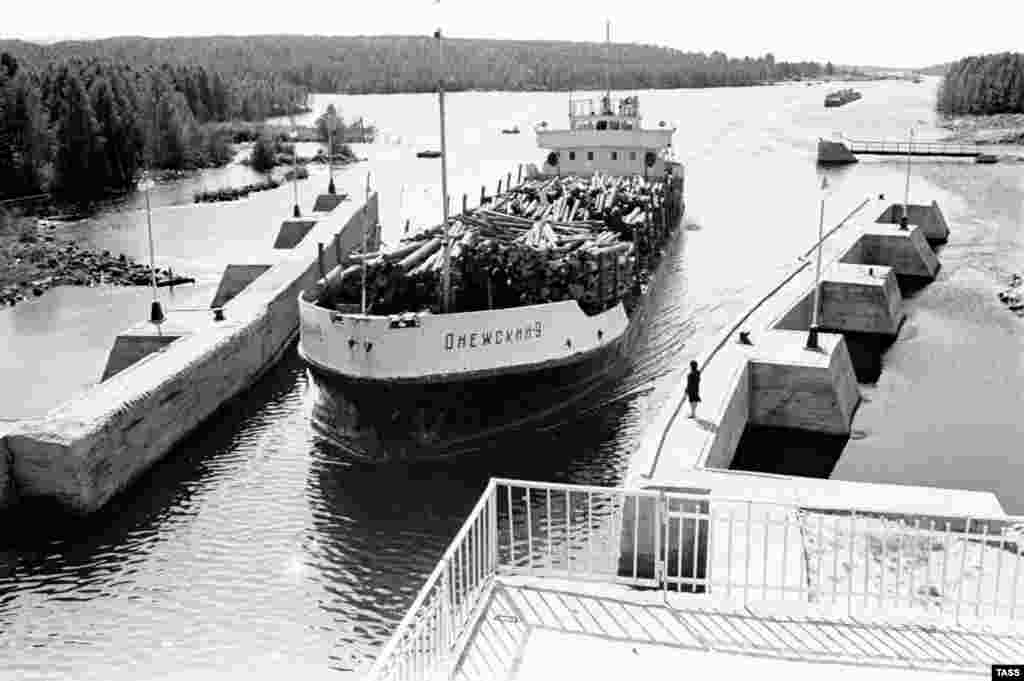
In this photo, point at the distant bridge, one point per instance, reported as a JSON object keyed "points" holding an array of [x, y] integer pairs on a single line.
{"points": [[846, 151], [882, 148]]}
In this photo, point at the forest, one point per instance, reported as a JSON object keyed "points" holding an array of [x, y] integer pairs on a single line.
{"points": [[83, 127], [983, 85], [81, 118]]}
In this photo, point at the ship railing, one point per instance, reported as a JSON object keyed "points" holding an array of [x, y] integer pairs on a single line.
{"points": [[842, 560]]}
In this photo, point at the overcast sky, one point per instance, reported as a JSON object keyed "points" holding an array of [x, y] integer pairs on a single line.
{"points": [[870, 32]]}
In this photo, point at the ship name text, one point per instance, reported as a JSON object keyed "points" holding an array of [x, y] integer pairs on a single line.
{"points": [[477, 339]]}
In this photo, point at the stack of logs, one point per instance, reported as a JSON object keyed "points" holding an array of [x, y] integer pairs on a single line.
{"points": [[569, 238]]}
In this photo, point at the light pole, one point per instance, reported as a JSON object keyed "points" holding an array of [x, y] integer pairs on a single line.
{"points": [[906, 195], [812, 333], [295, 168], [156, 313], [331, 125]]}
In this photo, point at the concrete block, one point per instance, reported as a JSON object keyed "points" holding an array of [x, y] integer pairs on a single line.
{"points": [[928, 217], [906, 251], [234, 280], [861, 298], [732, 423], [130, 348], [798, 318], [6, 479], [834, 153], [293, 231], [793, 387], [325, 203]]}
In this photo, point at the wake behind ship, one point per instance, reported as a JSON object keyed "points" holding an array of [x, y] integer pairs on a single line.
{"points": [[503, 314]]}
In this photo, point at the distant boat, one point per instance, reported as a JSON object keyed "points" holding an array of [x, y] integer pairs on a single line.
{"points": [[429, 153], [514, 130], [840, 97], [986, 158]]}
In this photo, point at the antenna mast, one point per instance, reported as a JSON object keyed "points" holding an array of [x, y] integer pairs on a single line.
{"points": [[608, 66], [446, 270]]}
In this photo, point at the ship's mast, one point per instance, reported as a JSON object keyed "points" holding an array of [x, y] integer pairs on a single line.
{"points": [[446, 265], [607, 66]]}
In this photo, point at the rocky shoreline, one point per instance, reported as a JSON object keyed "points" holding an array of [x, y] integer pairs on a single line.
{"points": [[994, 129], [35, 257], [1013, 295]]}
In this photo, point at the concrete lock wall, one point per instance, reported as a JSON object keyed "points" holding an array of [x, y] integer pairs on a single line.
{"points": [[88, 449], [929, 218], [814, 395], [861, 298], [732, 424], [6, 478], [906, 251], [128, 350], [234, 280]]}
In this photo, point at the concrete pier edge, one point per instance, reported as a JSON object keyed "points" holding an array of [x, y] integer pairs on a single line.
{"points": [[86, 450], [679, 454]]}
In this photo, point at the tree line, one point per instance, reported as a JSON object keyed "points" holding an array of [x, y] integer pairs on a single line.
{"points": [[986, 84], [82, 127], [81, 118], [385, 64]]}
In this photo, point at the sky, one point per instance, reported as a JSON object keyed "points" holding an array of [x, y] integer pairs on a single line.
{"points": [[896, 33]]}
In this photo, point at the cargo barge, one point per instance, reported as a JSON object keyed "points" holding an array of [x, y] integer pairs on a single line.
{"points": [[505, 313], [841, 97]]}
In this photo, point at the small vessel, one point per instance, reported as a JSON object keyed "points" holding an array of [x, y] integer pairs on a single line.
{"points": [[502, 314], [841, 97], [986, 158], [514, 130], [428, 153]]}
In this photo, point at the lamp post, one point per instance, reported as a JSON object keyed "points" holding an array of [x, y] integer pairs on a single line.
{"points": [[812, 333], [156, 313], [906, 195], [332, 124], [295, 168]]}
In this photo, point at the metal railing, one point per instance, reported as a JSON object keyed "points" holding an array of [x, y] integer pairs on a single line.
{"points": [[738, 550], [920, 148]]}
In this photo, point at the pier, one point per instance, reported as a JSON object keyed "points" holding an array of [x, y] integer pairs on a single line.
{"points": [[162, 380], [691, 563], [846, 151]]}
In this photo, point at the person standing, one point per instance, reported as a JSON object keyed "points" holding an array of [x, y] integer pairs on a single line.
{"points": [[693, 388]]}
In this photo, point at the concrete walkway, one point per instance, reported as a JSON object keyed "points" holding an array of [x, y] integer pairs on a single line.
{"points": [[679, 453], [540, 629]]}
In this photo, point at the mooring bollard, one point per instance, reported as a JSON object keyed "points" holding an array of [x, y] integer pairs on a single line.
{"points": [[337, 246], [483, 194], [519, 174], [320, 258], [465, 204], [508, 181]]}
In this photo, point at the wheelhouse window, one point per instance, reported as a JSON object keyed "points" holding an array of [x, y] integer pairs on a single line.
{"points": [[590, 156], [615, 156], [632, 156], [572, 155]]}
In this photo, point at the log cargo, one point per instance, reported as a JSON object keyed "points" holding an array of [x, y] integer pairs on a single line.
{"points": [[545, 240]]}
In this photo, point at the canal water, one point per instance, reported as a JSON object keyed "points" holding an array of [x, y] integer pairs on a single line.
{"points": [[253, 547]]}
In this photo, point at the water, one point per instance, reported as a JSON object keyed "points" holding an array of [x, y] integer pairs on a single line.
{"points": [[252, 547]]}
